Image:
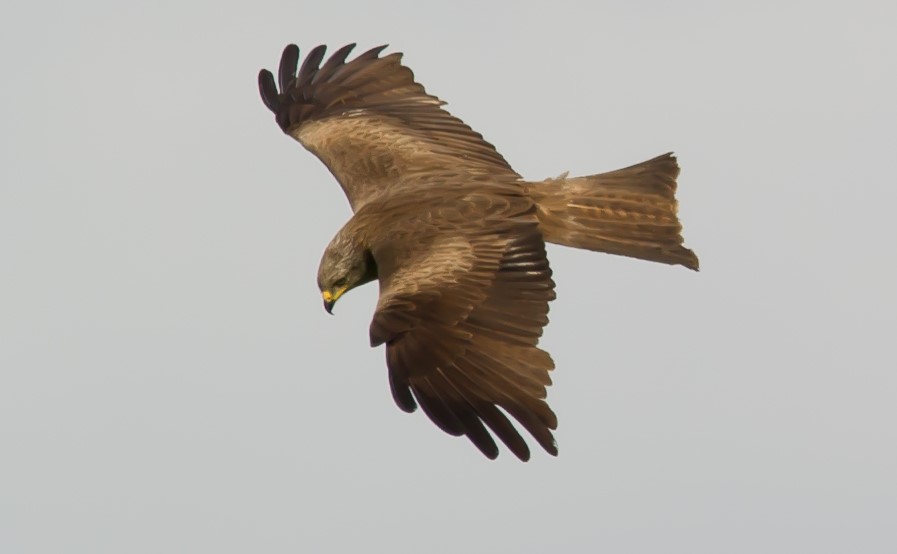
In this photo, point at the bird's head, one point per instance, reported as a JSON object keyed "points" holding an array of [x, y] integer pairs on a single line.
{"points": [[346, 264]]}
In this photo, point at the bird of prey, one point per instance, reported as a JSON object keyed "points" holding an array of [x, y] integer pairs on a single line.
{"points": [[456, 239]]}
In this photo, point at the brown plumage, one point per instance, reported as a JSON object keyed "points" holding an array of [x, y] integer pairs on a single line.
{"points": [[457, 238]]}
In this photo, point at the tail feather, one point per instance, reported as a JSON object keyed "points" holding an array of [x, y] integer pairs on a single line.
{"points": [[629, 212]]}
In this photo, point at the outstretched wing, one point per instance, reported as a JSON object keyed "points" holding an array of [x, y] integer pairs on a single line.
{"points": [[370, 122], [461, 319]]}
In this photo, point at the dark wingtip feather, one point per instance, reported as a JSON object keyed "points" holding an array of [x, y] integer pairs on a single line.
{"points": [[310, 65], [484, 443], [268, 90], [288, 62], [377, 49], [476, 432], [336, 60], [402, 396], [371, 54], [404, 399], [499, 423], [492, 454]]}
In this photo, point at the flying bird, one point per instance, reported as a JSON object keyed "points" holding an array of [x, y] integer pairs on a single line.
{"points": [[456, 239]]}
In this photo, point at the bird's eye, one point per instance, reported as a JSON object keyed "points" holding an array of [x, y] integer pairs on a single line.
{"points": [[339, 283]]}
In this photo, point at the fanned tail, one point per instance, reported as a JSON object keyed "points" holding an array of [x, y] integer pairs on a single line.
{"points": [[629, 212]]}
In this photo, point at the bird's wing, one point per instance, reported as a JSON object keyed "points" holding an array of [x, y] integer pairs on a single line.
{"points": [[370, 122], [461, 319]]}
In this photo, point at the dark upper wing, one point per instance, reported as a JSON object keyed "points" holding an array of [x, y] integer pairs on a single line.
{"points": [[370, 122], [461, 319]]}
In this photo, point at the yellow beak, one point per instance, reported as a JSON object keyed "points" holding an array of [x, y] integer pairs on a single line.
{"points": [[330, 298]]}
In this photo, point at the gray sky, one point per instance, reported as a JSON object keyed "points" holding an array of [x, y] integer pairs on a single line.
{"points": [[169, 381]]}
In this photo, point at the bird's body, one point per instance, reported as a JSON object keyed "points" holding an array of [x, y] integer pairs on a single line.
{"points": [[456, 239]]}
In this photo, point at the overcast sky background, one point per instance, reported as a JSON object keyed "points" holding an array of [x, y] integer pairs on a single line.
{"points": [[169, 381]]}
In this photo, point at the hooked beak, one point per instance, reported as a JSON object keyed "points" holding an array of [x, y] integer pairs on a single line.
{"points": [[330, 298]]}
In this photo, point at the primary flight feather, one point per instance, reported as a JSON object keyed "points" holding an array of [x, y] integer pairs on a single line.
{"points": [[456, 239]]}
